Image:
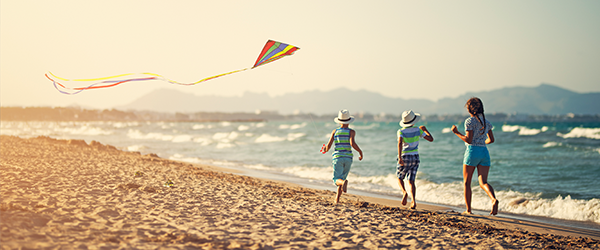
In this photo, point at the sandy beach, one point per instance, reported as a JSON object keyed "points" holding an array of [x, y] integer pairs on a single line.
{"points": [[68, 194]]}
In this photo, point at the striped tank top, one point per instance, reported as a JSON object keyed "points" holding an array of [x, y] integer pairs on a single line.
{"points": [[410, 137], [342, 148]]}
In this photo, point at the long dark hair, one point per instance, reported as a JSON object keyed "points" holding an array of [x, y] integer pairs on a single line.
{"points": [[475, 107]]}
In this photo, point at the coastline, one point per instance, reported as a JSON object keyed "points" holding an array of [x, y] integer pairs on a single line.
{"points": [[68, 193], [503, 219]]}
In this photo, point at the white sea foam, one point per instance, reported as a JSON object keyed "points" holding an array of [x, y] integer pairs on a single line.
{"points": [[201, 126], [202, 141], [294, 136], [125, 124], [523, 130], [222, 145], [268, 138], [84, 129], [166, 125], [511, 201], [552, 144], [138, 147], [30, 129], [292, 126], [182, 138], [510, 128], [529, 131], [592, 133], [179, 157], [136, 134], [243, 128], [559, 207], [258, 167], [225, 135], [297, 126]]}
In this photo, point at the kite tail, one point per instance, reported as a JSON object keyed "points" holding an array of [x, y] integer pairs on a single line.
{"points": [[99, 83], [106, 82]]}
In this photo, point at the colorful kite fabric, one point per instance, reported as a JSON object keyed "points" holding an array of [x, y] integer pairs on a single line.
{"points": [[271, 52]]}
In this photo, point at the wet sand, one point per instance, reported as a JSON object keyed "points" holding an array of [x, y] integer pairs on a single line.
{"points": [[70, 194]]}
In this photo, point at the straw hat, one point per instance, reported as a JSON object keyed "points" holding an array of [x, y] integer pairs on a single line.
{"points": [[409, 118], [344, 117]]}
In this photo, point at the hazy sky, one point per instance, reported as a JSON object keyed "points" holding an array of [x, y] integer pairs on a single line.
{"points": [[408, 49]]}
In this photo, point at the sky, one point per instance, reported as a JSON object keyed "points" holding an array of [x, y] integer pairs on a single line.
{"points": [[403, 49]]}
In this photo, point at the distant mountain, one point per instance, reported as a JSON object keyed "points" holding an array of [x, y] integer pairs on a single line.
{"points": [[543, 99]]}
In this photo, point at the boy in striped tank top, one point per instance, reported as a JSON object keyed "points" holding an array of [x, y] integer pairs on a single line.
{"points": [[408, 153], [342, 155]]}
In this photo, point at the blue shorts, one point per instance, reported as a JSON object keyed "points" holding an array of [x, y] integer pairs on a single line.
{"points": [[411, 165], [477, 156], [341, 168]]}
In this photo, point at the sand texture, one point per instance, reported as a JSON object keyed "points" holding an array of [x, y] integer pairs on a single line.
{"points": [[59, 194]]}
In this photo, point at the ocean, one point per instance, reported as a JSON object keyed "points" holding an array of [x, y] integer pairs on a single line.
{"points": [[539, 169]]}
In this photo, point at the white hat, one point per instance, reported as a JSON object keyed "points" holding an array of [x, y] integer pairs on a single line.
{"points": [[409, 118], [344, 117]]}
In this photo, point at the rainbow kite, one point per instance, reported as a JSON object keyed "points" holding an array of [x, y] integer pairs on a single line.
{"points": [[271, 52]]}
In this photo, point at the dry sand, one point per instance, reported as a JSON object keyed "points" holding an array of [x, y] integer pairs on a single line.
{"points": [[68, 194]]}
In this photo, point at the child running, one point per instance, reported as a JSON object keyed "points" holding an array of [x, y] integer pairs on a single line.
{"points": [[408, 154], [478, 133], [342, 155]]}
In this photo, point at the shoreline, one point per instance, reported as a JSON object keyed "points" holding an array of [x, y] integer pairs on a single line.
{"points": [[71, 194], [538, 224]]}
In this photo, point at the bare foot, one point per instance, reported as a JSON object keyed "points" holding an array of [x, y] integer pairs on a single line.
{"points": [[413, 206], [467, 213], [345, 186], [494, 208], [404, 199]]}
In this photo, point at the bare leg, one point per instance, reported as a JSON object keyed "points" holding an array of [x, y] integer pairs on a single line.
{"points": [[340, 184], [404, 193], [482, 172], [467, 178], [413, 190], [338, 195]]}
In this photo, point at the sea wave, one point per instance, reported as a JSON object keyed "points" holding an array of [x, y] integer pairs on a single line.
{"points": [[552, 144], [591, 133], [177, 138], [292, 126], [523, 130], [452, 194], [243, 127], [202, 126], [264, 138], [136, 148]]}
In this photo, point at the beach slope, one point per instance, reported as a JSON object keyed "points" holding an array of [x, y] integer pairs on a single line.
{"points": [[70, 194]]}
